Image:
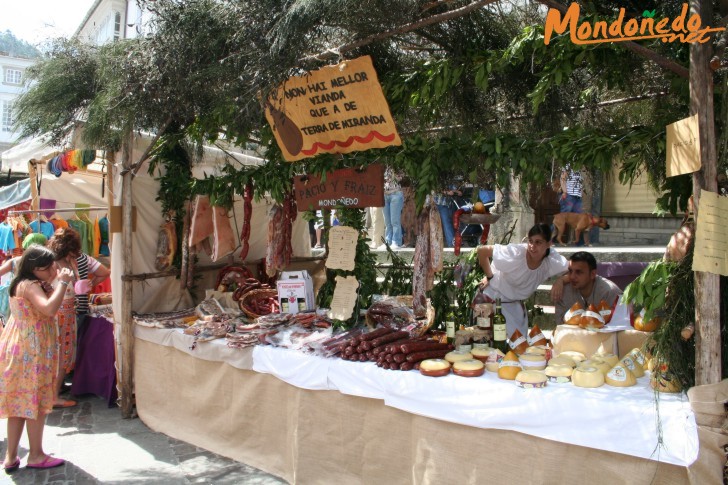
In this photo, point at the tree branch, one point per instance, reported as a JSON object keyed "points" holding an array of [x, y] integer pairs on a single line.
{"points": [[649, 54], [452, 14]]}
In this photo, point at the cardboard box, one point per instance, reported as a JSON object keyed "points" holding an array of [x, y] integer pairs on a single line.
{"points": [[295, 292]]}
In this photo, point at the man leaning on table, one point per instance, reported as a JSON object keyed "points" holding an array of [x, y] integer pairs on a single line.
{"points": [[582, 285]]}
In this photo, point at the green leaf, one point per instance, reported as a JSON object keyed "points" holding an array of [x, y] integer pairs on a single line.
{"points": [[498, 145]]}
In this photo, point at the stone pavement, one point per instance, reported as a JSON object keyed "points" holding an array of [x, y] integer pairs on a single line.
{"points": [[101, 447]]}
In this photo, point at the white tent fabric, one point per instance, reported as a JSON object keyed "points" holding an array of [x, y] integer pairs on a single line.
{"points": [[14, 194], [161, 294], [17, 157]]}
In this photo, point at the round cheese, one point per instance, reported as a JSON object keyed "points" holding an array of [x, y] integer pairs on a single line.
{"points": [[620, 376], [509, 367], [599, 364], [536, 350], [587, 377], [531, 379], [469, 368], [635, 368], [638, 357], [481, 354], [434, 364], [663, 383], [494, 359], [533, 362], [611, 359], [575, 356], [559, 373], [561, 360], [574, 314], [457, 356]]}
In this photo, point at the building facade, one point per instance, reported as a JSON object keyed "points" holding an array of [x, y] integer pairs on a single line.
{"points": [[112, 20], [12, 81]]}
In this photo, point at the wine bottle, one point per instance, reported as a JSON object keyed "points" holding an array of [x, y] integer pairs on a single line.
{"points": [[499, 329], [450, 331]]}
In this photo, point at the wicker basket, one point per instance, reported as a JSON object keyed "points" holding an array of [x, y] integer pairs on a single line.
{"points": [[250, 295]]}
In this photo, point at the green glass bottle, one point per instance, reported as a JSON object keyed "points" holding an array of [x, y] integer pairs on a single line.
{"points": [[499, 329]]}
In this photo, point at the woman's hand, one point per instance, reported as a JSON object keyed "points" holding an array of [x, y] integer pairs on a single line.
{"points": [[65, 274]]}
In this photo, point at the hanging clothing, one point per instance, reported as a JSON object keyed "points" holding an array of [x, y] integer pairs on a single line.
{"points": [[80, 227], [97, 238], [58, 223], [104, 235], [7, 239], [46, 228]]}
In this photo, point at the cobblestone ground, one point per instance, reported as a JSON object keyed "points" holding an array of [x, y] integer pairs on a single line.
{"points": [[101, 447]]}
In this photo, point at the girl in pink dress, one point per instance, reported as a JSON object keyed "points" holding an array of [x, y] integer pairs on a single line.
{"points": [[29, 355]]}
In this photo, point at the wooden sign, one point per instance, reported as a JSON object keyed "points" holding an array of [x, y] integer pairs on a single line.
{"points": [[335, 109], [348, 187]]}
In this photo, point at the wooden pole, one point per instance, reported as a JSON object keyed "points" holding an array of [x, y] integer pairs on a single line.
{"points": [[127, 323], [707, 285]]}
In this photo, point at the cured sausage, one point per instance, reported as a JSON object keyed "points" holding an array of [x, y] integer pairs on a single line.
{"points": [[274, 256], [379, 332], [428, 354], [247, 214], [409, 348], [389, 338], [421, 264], [166, 246], [436, 240]]}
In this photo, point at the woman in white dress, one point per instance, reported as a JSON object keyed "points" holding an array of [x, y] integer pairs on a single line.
{"points": [[515, 272]]}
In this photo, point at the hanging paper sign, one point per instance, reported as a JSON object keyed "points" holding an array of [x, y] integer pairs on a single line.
{"points": [[711, 237], [335, 109], [683, 147], [348, 187]]}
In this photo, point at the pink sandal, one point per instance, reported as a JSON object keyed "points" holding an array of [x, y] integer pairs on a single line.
{"points": [[49, 462]]}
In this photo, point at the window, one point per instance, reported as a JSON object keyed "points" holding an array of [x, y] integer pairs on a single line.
{"points": [[13, 76], [117, 26], [7, 121]]}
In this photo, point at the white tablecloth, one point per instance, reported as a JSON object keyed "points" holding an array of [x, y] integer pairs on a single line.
{"points": [[620, 420]]}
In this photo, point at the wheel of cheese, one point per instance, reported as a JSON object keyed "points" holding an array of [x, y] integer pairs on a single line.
{"points": [[592, 319], [469, 368], [620, 376], [536, 337], [457, 356], [630, 364], [573, 316], [587, 377], [609, 358], [482, 354], [434, 367], [604, 367], [536, 350], [533, 362], [531, 379], [494, 360], [663, 383], [563, 360], [518, 342], [576, 356], [509, 367], [559, 373], [638, 357]]}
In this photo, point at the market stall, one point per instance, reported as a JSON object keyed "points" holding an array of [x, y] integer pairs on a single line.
{"points": [[311, 419]]}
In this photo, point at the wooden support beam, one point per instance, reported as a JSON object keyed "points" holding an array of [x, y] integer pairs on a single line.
{"points": [[127, 322], [707, 285]]}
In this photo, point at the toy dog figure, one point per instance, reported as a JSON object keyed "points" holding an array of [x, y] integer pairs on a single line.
{"points": [[580, 223]]}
